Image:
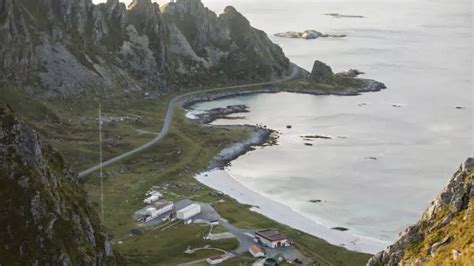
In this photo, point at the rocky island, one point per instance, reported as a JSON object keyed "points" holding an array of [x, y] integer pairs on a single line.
{"points": [[307, 35], [337, 15]]}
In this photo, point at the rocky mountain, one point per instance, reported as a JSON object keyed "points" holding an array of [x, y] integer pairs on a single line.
{"points": [[72, 47], [445, 234], [46, 217]]}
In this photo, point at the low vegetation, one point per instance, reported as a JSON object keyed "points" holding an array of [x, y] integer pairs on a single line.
{"points": [[459, 230], [187, 150]]}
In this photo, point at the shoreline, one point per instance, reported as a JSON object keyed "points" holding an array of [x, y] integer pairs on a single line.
{"points": [[259, 137], [371, 86], [262, 136], [281, 213]]}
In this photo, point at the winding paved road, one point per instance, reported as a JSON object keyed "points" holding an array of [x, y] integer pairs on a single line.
{"points": [[169, 117]]}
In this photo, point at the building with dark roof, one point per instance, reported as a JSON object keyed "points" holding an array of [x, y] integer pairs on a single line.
{"points": [[272, 238]]}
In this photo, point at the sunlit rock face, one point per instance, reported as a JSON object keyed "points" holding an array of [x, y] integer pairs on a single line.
{"points": [[443, 235], [68, 47]]}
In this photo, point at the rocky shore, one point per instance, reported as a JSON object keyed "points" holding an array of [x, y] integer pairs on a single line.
{"points": [[369, 85], [221, 112], [307, 35], [260, 136]]}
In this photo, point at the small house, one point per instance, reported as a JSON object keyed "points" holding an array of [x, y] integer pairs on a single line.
{"points": [[215, 259], [257, 251], [272, 238]]}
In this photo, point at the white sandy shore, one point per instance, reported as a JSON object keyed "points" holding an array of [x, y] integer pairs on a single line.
{"points": [[221, 180]]}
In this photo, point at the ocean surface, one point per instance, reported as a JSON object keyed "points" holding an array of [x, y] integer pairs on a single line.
{"points": [[422, 50]]}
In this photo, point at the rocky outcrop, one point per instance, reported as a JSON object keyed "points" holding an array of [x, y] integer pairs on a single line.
{"points": [[46, 218], [321, 73], [221, 112], [307, 35], [351, 73], [444, 234], [69, 47], [344, 81], [337, 15]]}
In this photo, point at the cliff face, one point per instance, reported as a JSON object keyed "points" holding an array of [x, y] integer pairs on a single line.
{"points": [[445, 233], [70, 47], [46, 218]]}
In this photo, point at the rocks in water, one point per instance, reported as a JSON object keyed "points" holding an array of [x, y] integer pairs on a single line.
{"points": [[351, 73], [259, 137], [345, 83], [321, 73], [337, 15], [307, 35], [339, 228], [316, 137], [221, 112]]}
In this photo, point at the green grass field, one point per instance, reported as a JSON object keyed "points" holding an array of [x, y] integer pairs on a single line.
{"points": [[72, 128]]}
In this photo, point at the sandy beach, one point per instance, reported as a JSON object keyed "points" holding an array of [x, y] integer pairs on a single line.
{"points": [[222, 181]]}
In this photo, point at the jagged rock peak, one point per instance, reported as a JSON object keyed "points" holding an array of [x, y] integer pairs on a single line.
{"points": [[322, 73], [231, 10]]}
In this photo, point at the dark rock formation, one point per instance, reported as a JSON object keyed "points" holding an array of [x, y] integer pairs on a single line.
{"points": [[69, 47], [321, 73], [337, 15], [307, 35], [344, 81], [46, 218], [351, 73], [216, 113], [445, 226]]}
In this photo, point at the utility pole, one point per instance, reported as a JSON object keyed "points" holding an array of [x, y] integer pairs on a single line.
{"points": [[100, 158]]}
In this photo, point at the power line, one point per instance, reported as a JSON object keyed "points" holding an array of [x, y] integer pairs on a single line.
{"points": [[100, 158]]}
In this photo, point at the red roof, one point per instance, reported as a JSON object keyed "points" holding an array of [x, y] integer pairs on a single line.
{"points": [[256, 249]]}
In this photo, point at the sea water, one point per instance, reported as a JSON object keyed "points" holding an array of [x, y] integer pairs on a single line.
{"points": [[390, 152]]}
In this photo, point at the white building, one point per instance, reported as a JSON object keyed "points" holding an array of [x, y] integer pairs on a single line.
{"points": [[272, 238], [153, 196], [155, 210], [257, 251], [215, 259], [188, 212]]}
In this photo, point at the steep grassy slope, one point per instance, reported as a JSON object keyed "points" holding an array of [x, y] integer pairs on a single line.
{"points": [[46, 215], [445, 233]]}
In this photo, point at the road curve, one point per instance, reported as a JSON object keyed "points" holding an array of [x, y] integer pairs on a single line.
{"points": [[169, 117]]}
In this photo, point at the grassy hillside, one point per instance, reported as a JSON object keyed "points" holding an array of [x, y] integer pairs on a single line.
{"points": [[189, 147]]}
